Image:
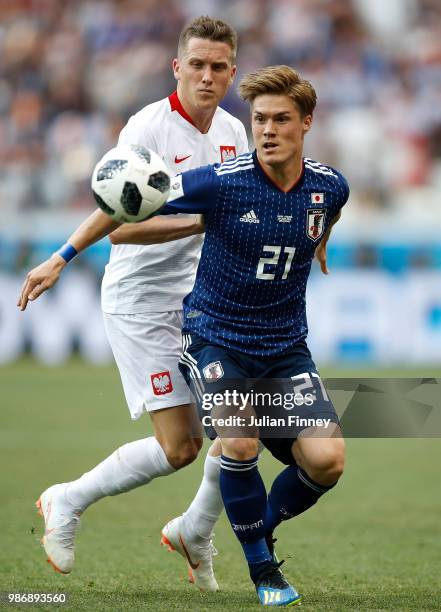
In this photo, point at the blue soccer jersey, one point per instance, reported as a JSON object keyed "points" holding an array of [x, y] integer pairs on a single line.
{"points": [[249, 292]]}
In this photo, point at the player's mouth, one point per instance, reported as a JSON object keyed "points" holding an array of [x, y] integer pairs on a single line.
{"points": [[206, 91], [268, 146]]}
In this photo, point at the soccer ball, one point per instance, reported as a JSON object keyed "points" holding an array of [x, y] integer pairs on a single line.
{"points": [[130, 183]]}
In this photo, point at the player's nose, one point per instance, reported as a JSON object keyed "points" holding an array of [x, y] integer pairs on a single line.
{"points": [[207, 77], [268, 128]]}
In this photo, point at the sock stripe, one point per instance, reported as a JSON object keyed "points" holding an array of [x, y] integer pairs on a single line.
{"points": [[242, 461], [233, 465], [312, 485], [237, 462], [243, 469], [239, 465]]}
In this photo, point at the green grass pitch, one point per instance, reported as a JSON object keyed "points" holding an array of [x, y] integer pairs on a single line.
{"points": [[373, 543]]}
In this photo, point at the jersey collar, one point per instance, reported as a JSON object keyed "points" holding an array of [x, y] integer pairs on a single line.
{"points": [[175, 105], [266, 176]]}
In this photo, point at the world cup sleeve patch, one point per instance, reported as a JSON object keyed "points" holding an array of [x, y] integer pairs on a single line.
{"points": [[227, 152], [176, 189], [315, 223], [161, 383], [213, 371]]}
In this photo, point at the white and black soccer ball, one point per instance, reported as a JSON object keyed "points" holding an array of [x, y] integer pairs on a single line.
{"points": [[130, 183]]}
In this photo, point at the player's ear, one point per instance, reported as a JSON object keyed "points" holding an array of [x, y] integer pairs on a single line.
{"points": [[176, 68], [307, 123], [233, 74]]}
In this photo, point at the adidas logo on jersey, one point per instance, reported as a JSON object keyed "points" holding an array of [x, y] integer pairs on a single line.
{"points": [[249, 217]]}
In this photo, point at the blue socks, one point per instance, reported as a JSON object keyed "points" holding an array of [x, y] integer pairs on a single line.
{"points": [[249, 511], [245, 501], [292, 493]]}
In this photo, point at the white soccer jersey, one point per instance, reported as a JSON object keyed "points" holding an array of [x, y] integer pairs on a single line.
{"points": [[155, 278]]}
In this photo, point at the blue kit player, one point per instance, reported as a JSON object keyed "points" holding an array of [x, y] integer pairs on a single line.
{"points": [[265, 214]]}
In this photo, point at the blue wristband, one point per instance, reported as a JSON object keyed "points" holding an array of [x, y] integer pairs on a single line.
{"points": [[67, 252]]}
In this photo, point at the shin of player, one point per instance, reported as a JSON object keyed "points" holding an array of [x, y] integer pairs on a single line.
{"points": [[316, 464]]}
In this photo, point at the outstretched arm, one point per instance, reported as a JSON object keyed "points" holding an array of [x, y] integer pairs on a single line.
{"points": [[320, 252], [97, 226], [44, 276], [195, 192], [157, 230]]}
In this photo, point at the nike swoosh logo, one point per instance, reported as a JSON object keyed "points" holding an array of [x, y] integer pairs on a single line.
{"points": [[178, 160], [190, 562]]}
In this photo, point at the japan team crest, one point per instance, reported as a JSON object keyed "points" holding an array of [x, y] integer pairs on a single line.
{"points": [[161, 383], [213, 371], [315, 223], [227, 152]]}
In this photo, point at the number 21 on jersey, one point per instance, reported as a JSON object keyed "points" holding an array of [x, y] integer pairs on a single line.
{"points": [[274, 260]]}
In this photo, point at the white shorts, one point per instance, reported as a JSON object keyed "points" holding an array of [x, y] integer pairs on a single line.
{"points": [[147, 347]]}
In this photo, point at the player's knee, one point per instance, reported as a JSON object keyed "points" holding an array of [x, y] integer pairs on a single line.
{"points": [[240, 448], [334, 467], [322, 459], [327, 467], [184, 453]]}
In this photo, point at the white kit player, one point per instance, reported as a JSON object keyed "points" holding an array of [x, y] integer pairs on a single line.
{"points": [[142, 294]]}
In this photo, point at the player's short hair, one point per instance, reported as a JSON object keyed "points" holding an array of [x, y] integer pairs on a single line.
{"points": [[279, 80], [209, 29]]}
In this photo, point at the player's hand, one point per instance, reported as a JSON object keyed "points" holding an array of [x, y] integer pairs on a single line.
{"points": [[320, 254], [40, 279]]}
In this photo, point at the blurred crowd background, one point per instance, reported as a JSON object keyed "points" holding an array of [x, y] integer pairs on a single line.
{"points": [[72, 72]]}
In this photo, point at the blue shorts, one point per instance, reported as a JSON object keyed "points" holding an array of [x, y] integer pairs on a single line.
{"points": [[210, 369]]}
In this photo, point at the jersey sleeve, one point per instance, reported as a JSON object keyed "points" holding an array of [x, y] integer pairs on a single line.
{"points": [[133, 134], [194, 191], [343, 191]]}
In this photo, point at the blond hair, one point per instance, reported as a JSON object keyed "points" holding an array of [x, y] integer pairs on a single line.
{"points": [[279, 80], [209, 29]]}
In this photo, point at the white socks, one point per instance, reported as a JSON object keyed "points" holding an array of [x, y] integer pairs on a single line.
{"points": [[130, 466], [207, 504]]}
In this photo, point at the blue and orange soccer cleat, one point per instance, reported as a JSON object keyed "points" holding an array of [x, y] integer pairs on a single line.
{"points": [[272, 587]]}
